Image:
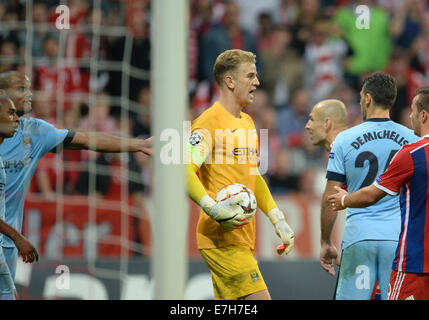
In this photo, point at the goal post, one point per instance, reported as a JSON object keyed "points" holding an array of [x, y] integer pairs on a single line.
{"points": [[169, 33]]}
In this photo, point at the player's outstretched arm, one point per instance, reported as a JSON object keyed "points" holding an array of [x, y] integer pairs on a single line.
{"points": [[25, 247], [267, 204], [360, 199], [102, 142]]}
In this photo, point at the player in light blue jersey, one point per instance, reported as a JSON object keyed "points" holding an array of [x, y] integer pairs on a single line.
{"points": [[33, 139], [8, 125], [358, 156]]}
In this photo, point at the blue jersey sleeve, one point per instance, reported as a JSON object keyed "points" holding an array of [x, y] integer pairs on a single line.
{"points": [[49, 136], [336, 169]]}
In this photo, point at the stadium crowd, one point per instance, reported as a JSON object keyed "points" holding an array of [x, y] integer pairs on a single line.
{"points": [[307, 50]]}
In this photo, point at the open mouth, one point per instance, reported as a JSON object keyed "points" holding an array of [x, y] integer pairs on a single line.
{"points": [[251, 93]]}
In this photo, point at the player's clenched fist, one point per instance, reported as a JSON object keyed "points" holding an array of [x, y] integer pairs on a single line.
{"points": [[228, 212], [283, 230]]}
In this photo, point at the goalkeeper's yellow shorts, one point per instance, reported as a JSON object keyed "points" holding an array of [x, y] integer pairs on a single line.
{"points": [[235, 272]]}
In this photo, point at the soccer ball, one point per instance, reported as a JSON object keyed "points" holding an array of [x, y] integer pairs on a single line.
{"points": [[249, 204]]}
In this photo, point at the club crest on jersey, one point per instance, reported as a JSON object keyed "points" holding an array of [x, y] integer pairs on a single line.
{"points": [[27, 140], [195, 139]]}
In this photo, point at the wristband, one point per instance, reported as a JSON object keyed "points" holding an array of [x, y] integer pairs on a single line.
{"points": [[342, 201]]}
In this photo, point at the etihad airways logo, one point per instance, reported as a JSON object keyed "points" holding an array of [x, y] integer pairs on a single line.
{"points": [[16, 165]]}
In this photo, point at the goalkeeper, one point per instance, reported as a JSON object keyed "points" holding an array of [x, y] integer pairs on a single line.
{"points": [[225, 239]]}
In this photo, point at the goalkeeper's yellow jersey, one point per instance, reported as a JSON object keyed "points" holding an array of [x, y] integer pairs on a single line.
{"points": [[230, 156]]}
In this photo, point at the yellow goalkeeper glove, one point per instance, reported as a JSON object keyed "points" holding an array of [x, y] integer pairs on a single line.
{"points": [[283, 230], [228, 212]]}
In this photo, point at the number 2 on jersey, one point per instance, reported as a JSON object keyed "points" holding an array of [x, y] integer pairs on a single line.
{"points": [[373, 165]]}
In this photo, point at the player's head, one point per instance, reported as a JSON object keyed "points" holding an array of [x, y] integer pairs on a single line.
{"points": [[235, 71], [326, 116], [9, 120], [420, 110], [378, 91], [18, 87]]}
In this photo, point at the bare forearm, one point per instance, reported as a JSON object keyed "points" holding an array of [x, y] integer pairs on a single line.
{"points": [[102, 142], [364, 197], [8, 230], [327, 220]]}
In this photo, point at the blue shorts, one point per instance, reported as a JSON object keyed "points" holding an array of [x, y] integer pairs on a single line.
{"points": [[7, 286], [362, 264]]}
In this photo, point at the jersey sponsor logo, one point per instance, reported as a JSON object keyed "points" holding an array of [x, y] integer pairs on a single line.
{"points": [[239, 152], [16, 165], [377, 135], [331, 155]]}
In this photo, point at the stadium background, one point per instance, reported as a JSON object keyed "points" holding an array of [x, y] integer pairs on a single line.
{"points": [[92, 212]]}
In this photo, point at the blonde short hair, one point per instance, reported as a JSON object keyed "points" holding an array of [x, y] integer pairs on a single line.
{"points": [[229, 62]]}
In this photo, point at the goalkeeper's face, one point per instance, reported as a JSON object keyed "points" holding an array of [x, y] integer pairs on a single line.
{"points": [[20, 93], [245, 84]]}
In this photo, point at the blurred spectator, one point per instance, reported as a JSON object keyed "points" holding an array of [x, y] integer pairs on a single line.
{"points": [[263, 34], [292, 120], [420, 58], [323, 61], [351, 98], [251, 11], [371, 47], [228, 35], [405, 25], [61, 82], [10, 14], [281, 178], [400, 70], [8, 52], [268, 120], [307, 183], [137, 25], [40, 31], [309, 11], [282, 68], [141, 126], [287, 12]]}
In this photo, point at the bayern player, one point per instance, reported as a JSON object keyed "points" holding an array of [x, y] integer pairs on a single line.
{"points": [[407, 174], [358, 156], [225, 240], [327, 119], [33, 139], [8, 125]]}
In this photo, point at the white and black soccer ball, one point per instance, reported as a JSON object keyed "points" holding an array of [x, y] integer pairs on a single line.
{"points": [[249, 204]]}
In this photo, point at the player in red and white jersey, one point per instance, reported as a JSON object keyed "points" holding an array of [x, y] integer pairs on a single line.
{"points": [[408, 175]]}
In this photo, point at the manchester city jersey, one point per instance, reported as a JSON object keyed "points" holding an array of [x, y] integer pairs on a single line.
{"points": [[359, 155], [21, 154], [2, 194]]}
